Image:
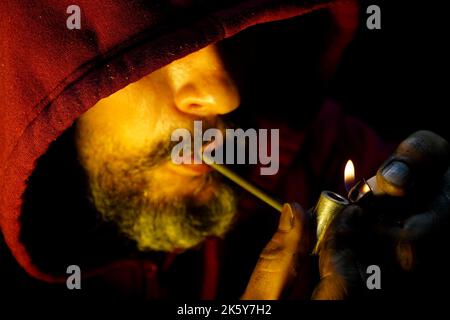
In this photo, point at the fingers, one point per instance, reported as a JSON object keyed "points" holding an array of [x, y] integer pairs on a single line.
{"points": [[338, 266], [276, 265], [334, 284], [423, 228], [422, 235], [418, 161]]}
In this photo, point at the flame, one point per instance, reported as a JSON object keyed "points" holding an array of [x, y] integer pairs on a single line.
{"points": [[349, 175]]}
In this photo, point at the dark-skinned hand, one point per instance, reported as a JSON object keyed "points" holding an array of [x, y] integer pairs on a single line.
{"points": [[402, 229]]}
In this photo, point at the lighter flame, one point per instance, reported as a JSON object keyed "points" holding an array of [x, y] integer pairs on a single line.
{"points": [[349, 174]]}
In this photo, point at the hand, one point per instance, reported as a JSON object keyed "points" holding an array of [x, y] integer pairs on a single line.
{"points": [[407, 226], [419, 172], [276, 267]]}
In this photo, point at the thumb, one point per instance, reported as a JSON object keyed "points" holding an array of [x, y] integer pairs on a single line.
{"points": [[277, 262], [418, 163]]}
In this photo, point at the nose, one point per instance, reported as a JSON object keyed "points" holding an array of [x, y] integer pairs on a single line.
{"points": [[201, 85]]}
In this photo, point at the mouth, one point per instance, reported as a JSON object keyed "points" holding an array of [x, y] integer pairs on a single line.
{"points": [[189, 167], [193, 163], [195, 169]]}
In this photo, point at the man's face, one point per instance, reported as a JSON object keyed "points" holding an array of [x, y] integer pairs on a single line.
{"points": [[124, 145]]}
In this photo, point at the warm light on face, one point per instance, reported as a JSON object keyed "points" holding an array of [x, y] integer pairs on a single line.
{"points": [[349, 174], [124, 144], [131, 128]]}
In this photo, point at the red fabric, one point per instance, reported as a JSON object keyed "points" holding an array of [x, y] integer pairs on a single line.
{"points": [[127, 278], [50, 75], [211, 270]]}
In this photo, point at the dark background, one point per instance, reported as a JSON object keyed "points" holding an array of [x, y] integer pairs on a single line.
{"points": [[396, 78]]}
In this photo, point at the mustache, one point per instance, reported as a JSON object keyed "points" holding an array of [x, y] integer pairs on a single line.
{"points": [[161, 153]]}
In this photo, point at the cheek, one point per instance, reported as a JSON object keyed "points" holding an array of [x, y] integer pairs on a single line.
{"points": [[129, 123], [119, 125]]}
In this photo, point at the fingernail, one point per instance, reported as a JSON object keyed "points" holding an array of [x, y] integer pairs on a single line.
{"points": [[287, 218], [396, 173]]}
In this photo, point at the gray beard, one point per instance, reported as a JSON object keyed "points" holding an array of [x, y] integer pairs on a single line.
{"points": [[166, 224]]}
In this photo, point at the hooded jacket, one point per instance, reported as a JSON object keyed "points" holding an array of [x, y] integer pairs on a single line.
{"points": [[51, 75]]}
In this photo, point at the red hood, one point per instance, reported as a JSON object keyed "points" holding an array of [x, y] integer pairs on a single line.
{"points": [[50, 75]]}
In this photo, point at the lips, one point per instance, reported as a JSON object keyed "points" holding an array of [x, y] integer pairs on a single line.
{"points": [[202, 168], [198, 168]]}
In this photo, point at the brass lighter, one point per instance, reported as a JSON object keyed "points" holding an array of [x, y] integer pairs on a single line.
{"points": [[327, 207]]}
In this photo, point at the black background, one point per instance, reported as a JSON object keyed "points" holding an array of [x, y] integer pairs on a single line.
{"points": [[396, 78]]}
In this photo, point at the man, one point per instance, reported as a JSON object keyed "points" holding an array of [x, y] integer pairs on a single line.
{"points": [[105, 195]]}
